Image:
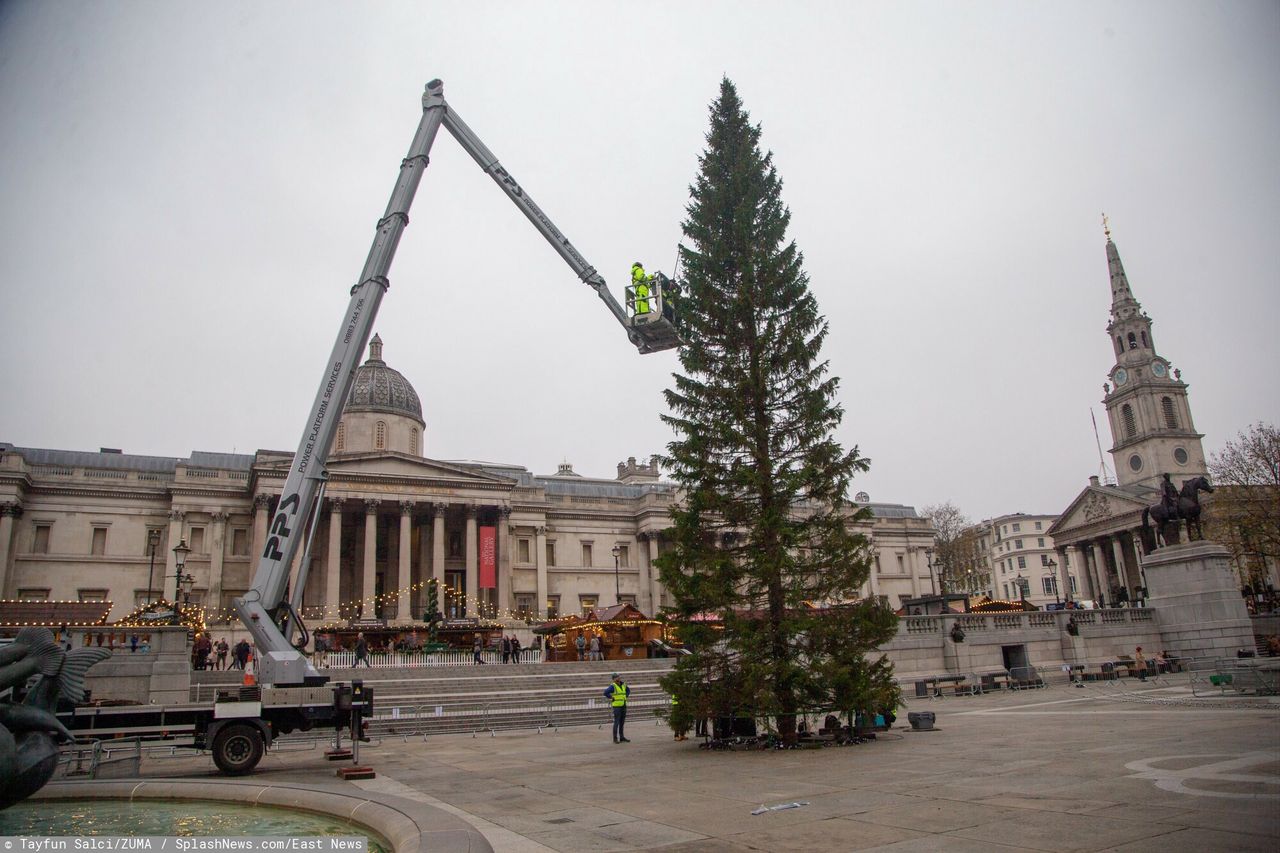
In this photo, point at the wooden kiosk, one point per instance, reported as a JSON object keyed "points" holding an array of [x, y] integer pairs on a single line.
{"points": [[625, 633]]}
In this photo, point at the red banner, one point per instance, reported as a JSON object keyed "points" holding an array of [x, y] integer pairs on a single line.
{"points": [[488, 558]]}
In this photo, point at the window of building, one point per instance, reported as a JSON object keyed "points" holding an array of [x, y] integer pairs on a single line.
{"points": [[1126, 418], [413, 440], [1017, 527], [522, 551], [1133, 341], [1044, 559], [99, 544], [92, 594], [1180, 456], [40, 545], [1006, 592], [340, 443], [1072, 578], [624, 556], [587, 602], [586, 554], [196, 540], [1144, 338], [902, 565], [1050, 584], [33, 594], [553, 606], [1022, 562], [626, 598], [1038, 525], [1135, 462], [878, 569], [524, 605], [1170, 416], [380, 436], [1017, 543], [455, 543], [1040, 542], [551, 552], [141, 597], [239, 542]]}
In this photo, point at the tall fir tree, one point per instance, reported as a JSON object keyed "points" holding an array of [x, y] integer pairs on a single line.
{"points": [[765, 565]]}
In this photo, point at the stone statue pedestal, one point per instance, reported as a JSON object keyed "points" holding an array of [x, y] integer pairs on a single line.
{"points": [[1196, 598]]}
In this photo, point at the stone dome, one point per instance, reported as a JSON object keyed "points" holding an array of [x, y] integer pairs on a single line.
{"points": [[378, 388]]}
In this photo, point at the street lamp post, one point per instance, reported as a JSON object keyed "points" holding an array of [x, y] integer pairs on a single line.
{"points": [[1053, 573], [617, 583], [180, 579], [928, 556], [153, 539], [1022, 590]]}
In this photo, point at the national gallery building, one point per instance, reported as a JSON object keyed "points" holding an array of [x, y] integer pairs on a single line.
{"points": [[501, 541]]}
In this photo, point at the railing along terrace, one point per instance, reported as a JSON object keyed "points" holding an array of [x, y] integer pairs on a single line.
{"points": [[1043, 619], [446, 657]]}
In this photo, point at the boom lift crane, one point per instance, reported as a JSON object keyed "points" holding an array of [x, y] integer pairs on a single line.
{"points": [[270, 618]]}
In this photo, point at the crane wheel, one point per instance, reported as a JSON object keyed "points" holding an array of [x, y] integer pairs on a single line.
{"points": [[237, 749]]}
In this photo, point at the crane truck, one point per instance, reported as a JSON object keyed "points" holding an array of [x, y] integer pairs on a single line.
{"points": [[293, 695]]}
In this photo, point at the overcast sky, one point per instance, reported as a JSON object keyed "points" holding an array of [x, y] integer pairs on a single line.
{"points": [[188, 191]]}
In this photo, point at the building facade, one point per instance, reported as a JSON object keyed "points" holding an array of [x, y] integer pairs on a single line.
{"points": [[1153, 433], [498, 540], [1023, 562]]}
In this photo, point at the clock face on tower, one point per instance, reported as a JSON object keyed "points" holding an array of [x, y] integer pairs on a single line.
{"points": [[1121, 376], [1158, 368]]}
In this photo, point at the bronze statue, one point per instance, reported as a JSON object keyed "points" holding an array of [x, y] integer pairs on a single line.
{"points": [[29, 731], [1174, 507]]}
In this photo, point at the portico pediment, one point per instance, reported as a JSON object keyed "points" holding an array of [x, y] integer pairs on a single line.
{"points": [[389, 464], [402, 465], [1096, 505]]}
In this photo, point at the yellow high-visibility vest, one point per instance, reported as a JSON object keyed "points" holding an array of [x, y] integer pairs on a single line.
{"points": [[619, 698]]}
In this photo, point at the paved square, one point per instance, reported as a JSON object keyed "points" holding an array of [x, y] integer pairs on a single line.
{"points": [[1071, 769]]}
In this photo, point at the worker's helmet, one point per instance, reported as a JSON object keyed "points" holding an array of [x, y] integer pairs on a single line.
{"points": [[637, 264]]}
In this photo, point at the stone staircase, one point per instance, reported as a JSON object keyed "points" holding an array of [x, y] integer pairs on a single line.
{"points": [[437, 700]]}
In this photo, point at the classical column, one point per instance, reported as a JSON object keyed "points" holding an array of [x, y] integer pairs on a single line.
{"points": [[654, 579], [1135, 538], [406, 543], [424, 566], [170, 566], [505, 598], [1089, 573], [260, 505], [1122, 571], [540, 560], [645, 598], [437, 553], [8, 512], [1096, 574], [1064, 575], [473, 575], [333, 562], [369, 567], [216, 548], [910, 562]]}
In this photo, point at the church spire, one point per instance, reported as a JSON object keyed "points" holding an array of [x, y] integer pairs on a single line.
{"points": [[375, 350], [1123, 304], [1146, 400]]}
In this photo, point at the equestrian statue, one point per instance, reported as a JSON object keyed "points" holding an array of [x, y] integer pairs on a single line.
{"points": [[29, 731], [1174, 507]]}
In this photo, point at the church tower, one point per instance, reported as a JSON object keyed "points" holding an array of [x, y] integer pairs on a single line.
{"points": [[1146, 400]]}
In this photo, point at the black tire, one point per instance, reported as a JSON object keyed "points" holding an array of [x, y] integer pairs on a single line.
{"points": [[237, 748]]}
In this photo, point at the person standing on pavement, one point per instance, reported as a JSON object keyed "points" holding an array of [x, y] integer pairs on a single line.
{"points": [[617, 694], [362, 651]]}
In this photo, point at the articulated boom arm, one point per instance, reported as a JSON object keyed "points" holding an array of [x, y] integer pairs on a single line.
{"points": [[264, 609]]}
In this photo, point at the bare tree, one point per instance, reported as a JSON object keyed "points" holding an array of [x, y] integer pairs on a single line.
{"points": [[1244, 512], [950, 547]]}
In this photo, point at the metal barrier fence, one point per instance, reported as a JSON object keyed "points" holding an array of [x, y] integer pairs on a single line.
{"points": [[494, 715], [446, 657]]}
